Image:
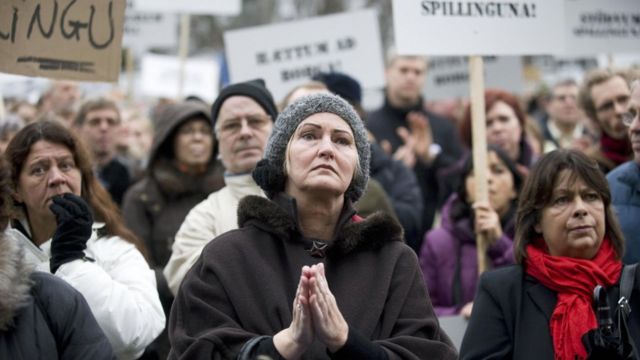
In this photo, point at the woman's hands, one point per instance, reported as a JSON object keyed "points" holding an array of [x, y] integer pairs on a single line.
{"points": [[315, 314], [330, 326], [74, 222], [487, 221]]}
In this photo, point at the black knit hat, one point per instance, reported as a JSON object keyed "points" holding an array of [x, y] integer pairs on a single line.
{"points": [[341, 84], [254, 89]]}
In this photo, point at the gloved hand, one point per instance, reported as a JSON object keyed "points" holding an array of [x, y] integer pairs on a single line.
{"points": [[74, 221]]}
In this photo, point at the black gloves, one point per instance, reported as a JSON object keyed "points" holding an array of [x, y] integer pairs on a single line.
{"points": [[74, 220]]}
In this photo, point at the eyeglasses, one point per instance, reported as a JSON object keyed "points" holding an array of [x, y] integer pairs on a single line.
{"points": [[233, 126], [609, 106], [204, 130], [628, 117]]}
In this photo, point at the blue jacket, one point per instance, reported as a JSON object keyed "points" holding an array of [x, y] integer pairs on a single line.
{"points": [[624, 182]]}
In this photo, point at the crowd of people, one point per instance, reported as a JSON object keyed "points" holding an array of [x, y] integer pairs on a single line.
{"points": [[308, 227]]}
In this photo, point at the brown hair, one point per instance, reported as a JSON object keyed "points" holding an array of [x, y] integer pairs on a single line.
{"points": [[99, 200], [537, 194], [593, 78], [94, 105], [491, 97], [5, 190]]}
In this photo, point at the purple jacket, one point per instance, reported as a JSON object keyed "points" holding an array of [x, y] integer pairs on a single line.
{"points": [[451, 248]]}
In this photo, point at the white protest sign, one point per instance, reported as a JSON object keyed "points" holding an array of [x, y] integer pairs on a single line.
{"points": [[477, 27], [204, 7], [595, 26], [288, 54], [448, 77], [160, 76], [64, 39], [144, 30]]}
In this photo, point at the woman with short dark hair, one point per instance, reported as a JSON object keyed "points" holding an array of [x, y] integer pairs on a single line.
{"points": [[568, 247]]}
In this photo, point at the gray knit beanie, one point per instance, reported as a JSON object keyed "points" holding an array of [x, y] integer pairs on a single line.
{"points": [[269, 172]]}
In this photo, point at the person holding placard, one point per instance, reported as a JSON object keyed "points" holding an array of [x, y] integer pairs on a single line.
{"points": [[605, 99], [448, 257], [423, 141]]}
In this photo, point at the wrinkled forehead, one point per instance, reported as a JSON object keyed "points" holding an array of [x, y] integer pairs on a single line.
{"points": [[238, 105]]}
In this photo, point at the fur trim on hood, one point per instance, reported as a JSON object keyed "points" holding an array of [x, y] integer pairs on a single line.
{"points": [[15, 281], [278, 217]]}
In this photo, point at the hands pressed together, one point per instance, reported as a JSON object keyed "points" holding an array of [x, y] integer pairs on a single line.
{"points": [[315, 315]]}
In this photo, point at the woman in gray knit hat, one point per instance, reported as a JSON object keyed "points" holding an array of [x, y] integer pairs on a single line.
{"points": [[304, 277]]}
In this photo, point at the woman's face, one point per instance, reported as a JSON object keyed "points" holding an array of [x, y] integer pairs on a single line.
{"points": [[503, 129], [501, 186], [193, 142], [573, 223], [48, 170], [321, 156]]}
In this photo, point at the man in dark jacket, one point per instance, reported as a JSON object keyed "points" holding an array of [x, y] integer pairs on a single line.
{"points": [[624, 182], [423, 141]]}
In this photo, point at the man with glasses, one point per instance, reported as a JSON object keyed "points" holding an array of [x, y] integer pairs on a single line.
{"points": [[624, 182], [605, 99], [242, 117], [564, 127]]}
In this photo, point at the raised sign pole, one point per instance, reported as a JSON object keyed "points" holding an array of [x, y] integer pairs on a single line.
{"points": [[479, 136]]}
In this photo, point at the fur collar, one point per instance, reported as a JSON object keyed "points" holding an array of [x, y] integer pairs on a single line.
{"points": [[278, 217], [15, 281]]}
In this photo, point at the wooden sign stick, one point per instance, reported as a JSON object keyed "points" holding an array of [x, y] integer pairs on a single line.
{"points": [[479, 136]]}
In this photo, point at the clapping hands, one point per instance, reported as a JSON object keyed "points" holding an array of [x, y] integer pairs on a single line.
{"points": [[315, 315]]}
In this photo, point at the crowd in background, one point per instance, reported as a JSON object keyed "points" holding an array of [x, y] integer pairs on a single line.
{"points": [[155, 185]]}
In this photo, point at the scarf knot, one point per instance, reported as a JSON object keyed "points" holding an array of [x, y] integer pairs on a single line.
{"points": [[573, 280]]}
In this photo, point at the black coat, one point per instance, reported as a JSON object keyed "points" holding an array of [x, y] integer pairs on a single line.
{"points": [[511, 314], [43, 317], [383, 124], [244, 283]]}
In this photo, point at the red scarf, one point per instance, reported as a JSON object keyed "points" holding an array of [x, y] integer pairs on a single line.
{"points": [[616, 150], [573, 280]]}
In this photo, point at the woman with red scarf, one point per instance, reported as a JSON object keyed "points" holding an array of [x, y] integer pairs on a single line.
{"points": [[567, 242]]}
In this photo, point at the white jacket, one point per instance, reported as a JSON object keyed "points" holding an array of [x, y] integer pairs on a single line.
{"points": [[215, 215], [119, 287]]}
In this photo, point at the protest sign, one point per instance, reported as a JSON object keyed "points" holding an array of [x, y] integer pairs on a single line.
{"points": [[161, 75], [145, 30], [448, 77], [64, 39], [204, 7], [288, 54], [595, 26], [476, 27]]}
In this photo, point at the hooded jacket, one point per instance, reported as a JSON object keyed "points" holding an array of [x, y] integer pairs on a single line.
{"points": [[624, 182], [43, 317], [243, 286], [449, 260]]}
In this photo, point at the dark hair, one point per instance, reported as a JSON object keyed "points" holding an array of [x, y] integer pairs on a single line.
{"points": [[491, 97], [537, 193], [94, 105], [104, 209], [460, 208], [5, 191]]}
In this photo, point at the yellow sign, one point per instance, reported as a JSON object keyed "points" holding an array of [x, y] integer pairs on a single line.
{"points": [[62, 39]]}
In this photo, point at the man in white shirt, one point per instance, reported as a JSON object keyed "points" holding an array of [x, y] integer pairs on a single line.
{"points": [[243, 116]]}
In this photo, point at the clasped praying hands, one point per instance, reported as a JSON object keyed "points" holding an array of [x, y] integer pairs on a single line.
{"points": [[315, 316]]}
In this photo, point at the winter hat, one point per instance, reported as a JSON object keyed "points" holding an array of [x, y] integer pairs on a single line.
{"points": [[341, 84], [269, 172], [254, 89]]}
